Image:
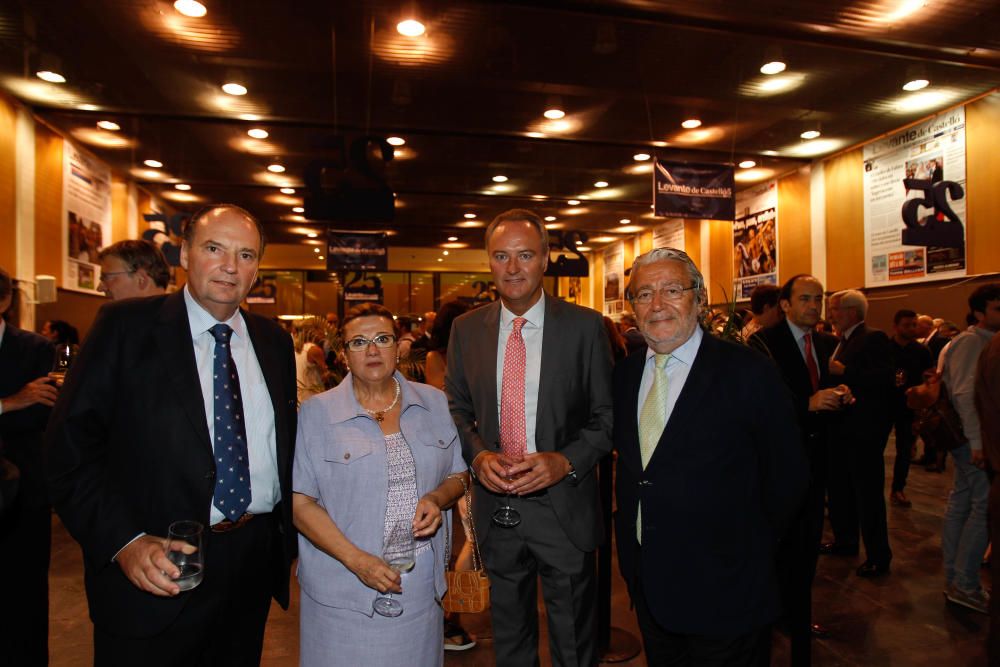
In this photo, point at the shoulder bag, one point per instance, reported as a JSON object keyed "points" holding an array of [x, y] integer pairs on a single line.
{"points": [[468, 590]]}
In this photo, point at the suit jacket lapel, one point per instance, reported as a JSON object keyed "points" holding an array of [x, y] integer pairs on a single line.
{"points": [[630, 420], [270, 368], [490, 420], [549, 366], [173, 339]]}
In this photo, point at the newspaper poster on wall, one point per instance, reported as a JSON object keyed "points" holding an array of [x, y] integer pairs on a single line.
{"points": [[86, 217], [614, 279], [914, 203], [669, 235], [693, 190], [755, 239]]}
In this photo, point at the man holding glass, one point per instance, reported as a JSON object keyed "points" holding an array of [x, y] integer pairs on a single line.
{"points": [[710, 468], [182, 408], [528, 383]]}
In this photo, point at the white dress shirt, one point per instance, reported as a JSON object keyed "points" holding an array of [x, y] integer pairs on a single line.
{"points": [[531, 332], [678, 368], [258, 413]]}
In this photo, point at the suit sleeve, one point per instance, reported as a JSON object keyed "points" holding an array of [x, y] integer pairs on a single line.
{"points": [[872, 372], [460, 403], [78, 449]]}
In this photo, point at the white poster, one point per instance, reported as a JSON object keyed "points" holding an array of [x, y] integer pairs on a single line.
{"points": [[614, 279], [914, 198], [669, 235], [86, 217], [755, 239]]}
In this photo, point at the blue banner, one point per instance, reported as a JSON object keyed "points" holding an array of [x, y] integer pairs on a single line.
{"points": [[693, 190]]}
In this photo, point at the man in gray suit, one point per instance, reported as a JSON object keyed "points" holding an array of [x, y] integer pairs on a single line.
{"points": [[529, 386]]}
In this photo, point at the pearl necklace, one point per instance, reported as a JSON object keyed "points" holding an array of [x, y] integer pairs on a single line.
{"points": [[379, 415]]}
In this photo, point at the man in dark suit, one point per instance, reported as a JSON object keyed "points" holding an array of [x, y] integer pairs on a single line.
{"points": [[26, 394], [862, 361], [529, 386], [702, 500], [137, 442], [802, 356]]}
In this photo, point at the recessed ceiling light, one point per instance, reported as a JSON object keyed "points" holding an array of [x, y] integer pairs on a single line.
{"points": [[153, 164], [773, 67], [50, 76], [624, 221], [440, 259], [810, 134], [535, 135], [312, 235], [747, 164], [233, 88], [640, 157], [320, 257], [182, 186], [249, 116], [769, 152], [550, 218], [287, 191], [258, 133], [444, 252], [87, 107], [410, 28], [298, 209], [108, 125], [579, 242], [573, 202], [554, 114], [395, 141], [691, 123], [470, 216], [276, 168], [661, 143], [499, 179], [916, 84], [191, 8], [601, 184], [452, 238]]}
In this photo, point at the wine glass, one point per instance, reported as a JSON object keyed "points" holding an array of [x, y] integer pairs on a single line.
{"points": [[507, 516], [64, 357], [398, 553], [191, 565]]}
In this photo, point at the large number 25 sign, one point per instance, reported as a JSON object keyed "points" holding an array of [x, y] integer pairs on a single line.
{"points": [[943, 228]]}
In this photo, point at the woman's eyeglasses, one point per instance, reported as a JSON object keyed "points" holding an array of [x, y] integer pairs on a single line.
{"points": [[359, 343]]}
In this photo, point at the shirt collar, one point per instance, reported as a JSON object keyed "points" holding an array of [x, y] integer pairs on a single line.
{"points": [[344, 406], [797, 332], [850, 330], [201, 320], [535, 315], [686, 352]]}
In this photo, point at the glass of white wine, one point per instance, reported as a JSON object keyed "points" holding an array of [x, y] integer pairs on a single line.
{"points": [[180, 537], [64, 357], [398, 553]]}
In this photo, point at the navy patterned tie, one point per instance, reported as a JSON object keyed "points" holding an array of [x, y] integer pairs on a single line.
{"points": [[232, 460]]}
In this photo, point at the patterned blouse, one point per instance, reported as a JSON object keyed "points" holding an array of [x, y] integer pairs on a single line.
{"points": [[401, 500]]}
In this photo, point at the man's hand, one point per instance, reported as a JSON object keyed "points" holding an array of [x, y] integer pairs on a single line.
{"points": [[146, 565], [831, 399], [39, 391], [538, 471], [837, 368], [491, 471]]}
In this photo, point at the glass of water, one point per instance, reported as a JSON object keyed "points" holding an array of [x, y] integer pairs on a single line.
{"points": [[399, 555], [180, 537]]}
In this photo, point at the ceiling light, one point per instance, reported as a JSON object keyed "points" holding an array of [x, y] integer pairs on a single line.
{"points": [[691, 123], [773, 67], [554, 114], [499, 179], [640, 157], [769, 152], [249, 116], [410, 28], [191, 8], [154, 164], [470, 216], [287, 191], [579, 242], [315, 249], [550, 218], [395, 141], [108, 125], [258, 133], [810, 134], [747, 164], [534, 135], [624, 221], [916, 84], [86, 107], [276, 168], [573, 202], [440, 259], [312, 235], [452, 238], [444, 252], [233, 88], [50, 76], [298, 209], [661, 143], [601, 184], [182, 186], [320, 257]]}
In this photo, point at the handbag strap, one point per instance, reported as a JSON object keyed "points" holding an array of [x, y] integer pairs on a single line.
{"points": [[477, 559]]}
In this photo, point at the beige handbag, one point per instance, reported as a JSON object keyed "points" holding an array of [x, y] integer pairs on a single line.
{"points": [[468, 590]]}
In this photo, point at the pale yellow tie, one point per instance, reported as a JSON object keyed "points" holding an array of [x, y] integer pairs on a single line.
{"points": [[652, 421]]}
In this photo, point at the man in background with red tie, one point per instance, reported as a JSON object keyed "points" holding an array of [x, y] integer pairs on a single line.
{"points": [[802, 356], [529, 386]]}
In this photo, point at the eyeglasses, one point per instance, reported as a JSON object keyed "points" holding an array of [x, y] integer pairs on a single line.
{"points": [[359, 343], [673, 293]]}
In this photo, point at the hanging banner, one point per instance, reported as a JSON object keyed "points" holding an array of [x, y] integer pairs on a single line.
{"points": [[86, 218], [669, 235], [914, 203], [693, 190], [755, 239], [614, 279], [357, 251]]}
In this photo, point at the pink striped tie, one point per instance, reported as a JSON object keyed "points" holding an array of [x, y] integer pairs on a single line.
{"points": [[513, 433]]}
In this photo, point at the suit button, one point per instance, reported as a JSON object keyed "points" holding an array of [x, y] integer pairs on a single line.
{"points": [[440, 442], [347, 456]]}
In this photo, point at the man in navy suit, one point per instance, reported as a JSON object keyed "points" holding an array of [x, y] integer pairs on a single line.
{"points": [[710, 469]]}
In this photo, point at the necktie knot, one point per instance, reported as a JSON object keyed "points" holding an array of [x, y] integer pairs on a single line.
{"points": [[221, 333], [519, 323], [661, 361]]}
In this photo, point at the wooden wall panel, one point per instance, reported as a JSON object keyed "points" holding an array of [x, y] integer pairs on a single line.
{"points": [[982, 122], [8, 186], [845, 224], [48, 203], [794, 229], [720, 251], [119, 211], [692, 240]]}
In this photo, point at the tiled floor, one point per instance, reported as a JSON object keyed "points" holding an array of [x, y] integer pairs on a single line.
{"points": [[900, 620]]}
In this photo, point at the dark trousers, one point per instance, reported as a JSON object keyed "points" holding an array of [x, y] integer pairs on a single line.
{"points": [[25, 546], [857, 491], [223, 622], [993, 639], [668, 649], [797, 554], [903, 426], [515, 559]]}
